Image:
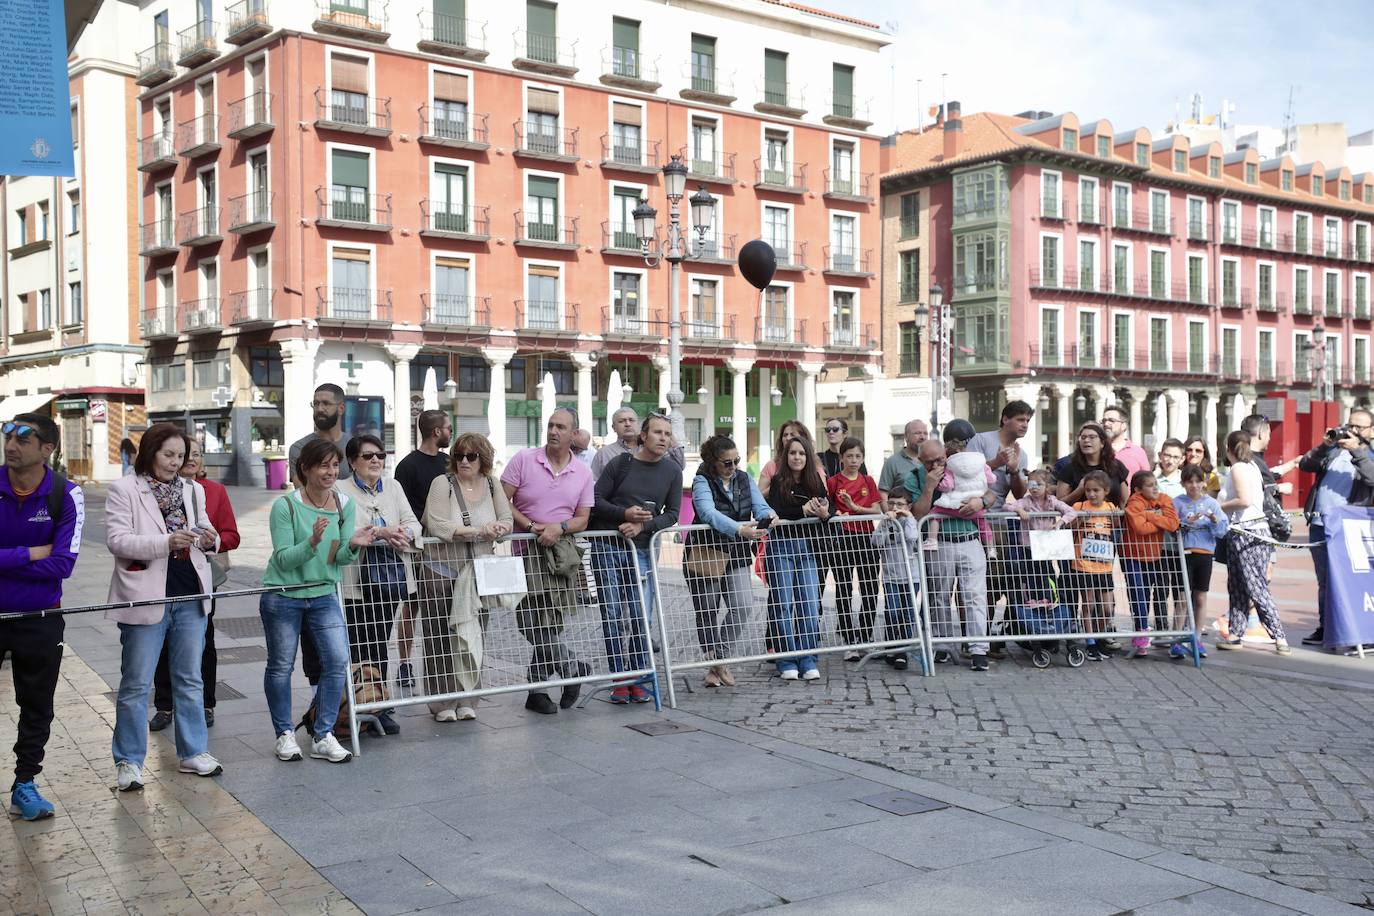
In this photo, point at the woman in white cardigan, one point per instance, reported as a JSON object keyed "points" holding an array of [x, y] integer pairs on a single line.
{"points": [[159, 532]]}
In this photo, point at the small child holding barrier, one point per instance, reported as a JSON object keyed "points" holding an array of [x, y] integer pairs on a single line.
{"points": [[1149, 516], [897, 536], [1038, 587], [1095, 553], [1202, 523]]}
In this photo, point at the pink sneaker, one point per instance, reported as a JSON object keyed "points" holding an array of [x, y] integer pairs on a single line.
{"points": [[1140, 646]]}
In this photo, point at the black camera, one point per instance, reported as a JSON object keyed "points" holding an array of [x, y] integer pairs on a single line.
{"points": [[1336, 433]]}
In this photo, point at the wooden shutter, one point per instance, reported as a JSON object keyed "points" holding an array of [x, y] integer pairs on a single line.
{"points": [[540, 18], [622, 113], [350, 254], [350, 169], [704, 45], [452, 262], [451, 87], [842, 81], [542, 270], [625, 33], [775, 67], [348, 74], [543, 101]]}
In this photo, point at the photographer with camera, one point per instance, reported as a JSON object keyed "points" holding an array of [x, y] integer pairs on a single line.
{"points": [[1344, 465]]}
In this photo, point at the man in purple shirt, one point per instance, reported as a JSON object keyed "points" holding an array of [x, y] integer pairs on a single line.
{"points": [[551, 495], [1131, 456]]}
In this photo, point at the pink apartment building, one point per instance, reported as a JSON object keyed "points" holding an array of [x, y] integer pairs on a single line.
{"points": [[1086, 266]]}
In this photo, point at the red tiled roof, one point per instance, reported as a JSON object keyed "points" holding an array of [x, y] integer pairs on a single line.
{"points": [[838, 17]]}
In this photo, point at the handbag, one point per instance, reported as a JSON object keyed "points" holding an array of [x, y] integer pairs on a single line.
{"points": [[499, 581], [706, 561], [383, 576], [1280, 522]]}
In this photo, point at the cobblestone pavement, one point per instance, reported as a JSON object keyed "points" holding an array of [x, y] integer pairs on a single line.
{"points": [[1269, 776]]}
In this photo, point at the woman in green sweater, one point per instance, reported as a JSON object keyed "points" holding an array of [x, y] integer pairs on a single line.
{"points": [[313, 538]]}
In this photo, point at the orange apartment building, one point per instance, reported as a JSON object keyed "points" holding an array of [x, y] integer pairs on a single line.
{"points": [[330, 194]]}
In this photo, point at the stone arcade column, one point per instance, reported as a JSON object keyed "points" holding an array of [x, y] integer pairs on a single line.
{"points": [[497, 359], [401, 355]]}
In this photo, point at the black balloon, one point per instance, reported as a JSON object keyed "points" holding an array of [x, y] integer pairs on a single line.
{"points": [[758, 263]]}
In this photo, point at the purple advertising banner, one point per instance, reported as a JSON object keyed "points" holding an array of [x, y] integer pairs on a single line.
{"points": [[1350, 576]]}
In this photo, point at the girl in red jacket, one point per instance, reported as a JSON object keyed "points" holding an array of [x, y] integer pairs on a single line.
{"points": [[1149, 515]]}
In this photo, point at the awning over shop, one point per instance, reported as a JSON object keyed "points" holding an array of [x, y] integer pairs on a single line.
{"points": [[16, 404]]}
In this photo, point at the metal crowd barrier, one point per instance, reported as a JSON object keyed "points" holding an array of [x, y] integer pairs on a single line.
{"points": [[120, 605], [505, 624], [715, 610], [1082, 591]]}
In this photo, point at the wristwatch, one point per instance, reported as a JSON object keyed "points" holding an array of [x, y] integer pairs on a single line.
{"points": [[564, 526]]}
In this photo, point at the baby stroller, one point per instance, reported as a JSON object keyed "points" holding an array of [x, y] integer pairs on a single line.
{"points": [[1041, 612]]}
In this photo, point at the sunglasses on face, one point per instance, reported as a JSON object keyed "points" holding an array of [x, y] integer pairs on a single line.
{"points": [[18, 430], [729, 462], [369, 456], [834, 429], [470, 457]]}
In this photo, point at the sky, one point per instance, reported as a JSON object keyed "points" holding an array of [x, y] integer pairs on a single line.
{"points": [[1130, 62]]}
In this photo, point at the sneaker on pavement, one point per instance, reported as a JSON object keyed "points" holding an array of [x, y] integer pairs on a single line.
{"points": [[466, 713], [128, 776], [811, 674], [620, 695], [788, 674], [1093, 654], [389, 725], [853, 655], [1179, 650], [329, 748], [899, 662], [978, 661], [1315, 638], [727, 678], [201, 765], [1141, 651], [639, 695], [287, 748], [27, 802], [540, 703], [1281, 647], [1223, 643], [571, 692], [161, 719], [944, 657], [446, 715]]}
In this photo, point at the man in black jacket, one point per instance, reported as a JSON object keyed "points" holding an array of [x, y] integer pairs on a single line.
{"points": [[1345, 476]]}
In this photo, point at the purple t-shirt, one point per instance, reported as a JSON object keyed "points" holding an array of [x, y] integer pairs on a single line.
{"points": [[544, 496]]}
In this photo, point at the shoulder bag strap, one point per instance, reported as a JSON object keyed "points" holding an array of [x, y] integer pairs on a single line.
{"points": [[463, 507]]}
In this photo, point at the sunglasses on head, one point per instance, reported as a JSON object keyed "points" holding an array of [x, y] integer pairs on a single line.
{"points": [[20, 430], [470, 457]]}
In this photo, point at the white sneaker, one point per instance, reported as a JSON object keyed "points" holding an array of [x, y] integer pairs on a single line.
{"points": [[811, 674], [128, 776], [466, 713], [287, 748], [446, 715], [329, 748], [201, 765], [789, 675]]}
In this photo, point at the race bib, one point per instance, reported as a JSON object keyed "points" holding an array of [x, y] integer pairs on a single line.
{"points": [[1100, 549]]}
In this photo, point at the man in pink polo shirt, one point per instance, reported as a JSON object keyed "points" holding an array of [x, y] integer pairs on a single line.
{"points": [[551, 494], [1131, 456]]}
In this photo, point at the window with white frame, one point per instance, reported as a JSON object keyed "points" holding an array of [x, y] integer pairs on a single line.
{"points": [[451, 304], [1230, 352], [1332, 290], [75, 305], [1087, 338], [1121, 340], [448, 197], [1302, 357], [842, 177], [1302, 233], [1159, 344], [1362, 241], [1121, 269], [627, 130], [449, 112], [350, 292], [1159, 273], [777, 169], [1302, 291], [705, 317], [543, 303], [1159, 211], [843, 319], [626, 316], [1050, 341], [1331, 237], [776, 322], [1197, 278], [1360, 295], [1051, 203], [843, 255], [704, 159], [1266, 227], [1087, 264], [777, 230], [45, 315], [1087, 200], [1197, 346], [1264, 287], [1050, 263], [1121, 206], [1230, 282], [1197, 219], [1264, 355], [1230, 222], [1360, 360]]}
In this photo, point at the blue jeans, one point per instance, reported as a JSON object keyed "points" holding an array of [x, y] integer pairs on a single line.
{"points": [[183, 628], [795, 600], [622, 618], [898, 612], [1141, 582], [282, 619]]}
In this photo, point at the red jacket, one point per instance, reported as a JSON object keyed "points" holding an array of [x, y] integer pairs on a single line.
{"points": [[221, 513], [1145, 527]]}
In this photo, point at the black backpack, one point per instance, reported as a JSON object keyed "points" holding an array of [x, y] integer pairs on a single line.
{"points": [[57, 497]]}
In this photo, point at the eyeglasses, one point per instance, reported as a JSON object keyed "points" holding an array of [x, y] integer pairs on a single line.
{"points": [[18, 430], [370, 456], [469, 457], [729, 462], [323, 405]]}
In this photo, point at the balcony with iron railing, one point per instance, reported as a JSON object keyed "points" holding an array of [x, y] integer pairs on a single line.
{"points": [[540, 53], [1362, 312], [199, 227], [780, 98], [1302, 305], [720, 170], [352, 113], [848, 186], [197, 45], [251, 307], [1271, 302], [546, 316], [1142, 220], [452, 36], [157, 238], [251, 213], [550, 144], [1335, 308], [779, 177], [155, 65], [849, 336], [443, 129], [456, 310], [846, 111], [973, 211], [201, 316], [789, 258], [353, 305], [975, 283], [707, 83], [774, 330], [1089, 213], [1199, 230], [708, 328], [616, 322], [1153, 362], [442, 219], [1358, 250], [198, 136], [627, 68], [158, 323], [352, 208], [1052, 207], [156, 153], [619, 238], [251, 116], [1267, 371], [537, 231], [716, 249], [629, 155], [362, 19], [246, 21], [847, 261]]}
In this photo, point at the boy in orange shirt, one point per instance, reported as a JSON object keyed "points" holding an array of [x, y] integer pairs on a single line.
{"points": [[1149, 514]]}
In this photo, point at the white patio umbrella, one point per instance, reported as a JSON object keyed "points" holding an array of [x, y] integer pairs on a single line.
{"points": [[1161, 427], [615, 397], [547, 402], [1237, 411], [431, 390]]}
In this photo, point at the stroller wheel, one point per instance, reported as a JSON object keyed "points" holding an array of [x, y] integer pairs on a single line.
{"points": [[1074, 656], [1040, 658]]}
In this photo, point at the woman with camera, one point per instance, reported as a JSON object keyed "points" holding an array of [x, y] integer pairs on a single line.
{"points": [[717, 562]]}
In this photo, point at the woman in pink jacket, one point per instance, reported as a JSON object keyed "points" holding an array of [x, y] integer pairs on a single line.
{"points": [[159, 532]]}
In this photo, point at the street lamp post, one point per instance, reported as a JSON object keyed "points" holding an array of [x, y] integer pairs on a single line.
{"points": [[941, 355], [677, 248]]}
